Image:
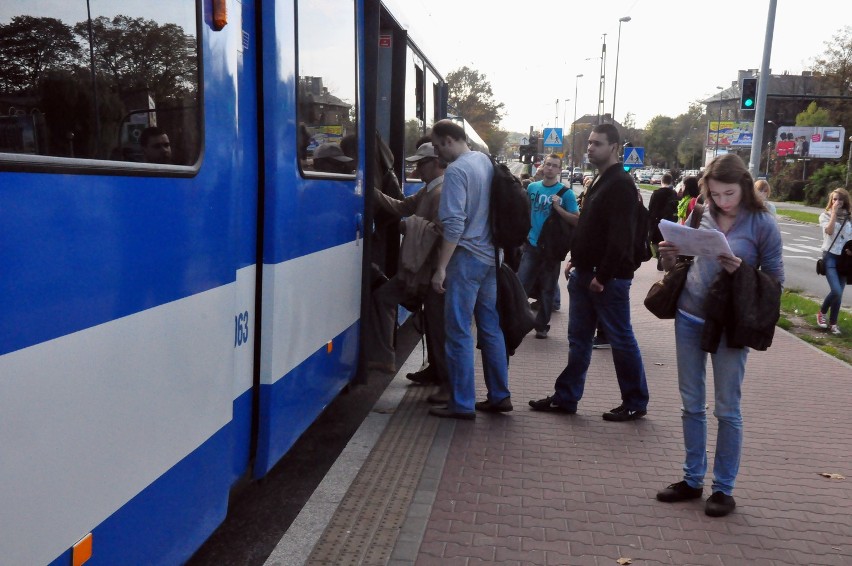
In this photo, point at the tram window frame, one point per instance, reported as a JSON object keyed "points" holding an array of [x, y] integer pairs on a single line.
{"points": [[58, 164], [303, 160]]}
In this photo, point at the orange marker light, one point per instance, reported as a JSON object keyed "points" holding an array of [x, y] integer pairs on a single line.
{"points": [[220, 14], [82, 551], [329, 347]]}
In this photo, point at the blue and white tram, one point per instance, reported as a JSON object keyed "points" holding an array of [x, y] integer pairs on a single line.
{"points": [[182, 274]]}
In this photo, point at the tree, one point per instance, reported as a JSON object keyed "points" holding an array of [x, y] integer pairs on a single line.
{"points": [[660, 141], [836, 65], [471, 97], [29, 47], [141, 55], [814, 116]]}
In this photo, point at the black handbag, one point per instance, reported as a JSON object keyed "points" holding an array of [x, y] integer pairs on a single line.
{"points": [[554, 240], [662, 297]]}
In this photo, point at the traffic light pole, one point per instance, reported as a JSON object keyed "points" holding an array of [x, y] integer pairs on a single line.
{"points": [[762, 85]]}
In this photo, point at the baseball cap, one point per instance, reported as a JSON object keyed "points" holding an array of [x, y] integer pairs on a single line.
{"points": [[424, 151], [331, 151]]}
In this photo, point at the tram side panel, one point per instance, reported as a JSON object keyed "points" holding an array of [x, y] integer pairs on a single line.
{"points": [[123, 409], [313, 238]]}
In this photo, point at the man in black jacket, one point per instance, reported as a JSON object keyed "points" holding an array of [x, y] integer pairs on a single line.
{"points": [[599, 286], [663, 206]]}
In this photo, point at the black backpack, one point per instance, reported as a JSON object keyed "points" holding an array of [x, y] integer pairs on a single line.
{"points": [[510, 209], [554, 240], [641, 241]]}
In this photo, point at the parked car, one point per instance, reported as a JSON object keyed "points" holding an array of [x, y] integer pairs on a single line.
{"points": [[565, 175], [657, 179], [577, 176], [643, 176]]}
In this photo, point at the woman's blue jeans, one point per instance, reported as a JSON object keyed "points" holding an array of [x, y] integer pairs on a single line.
{"points": [[836, 284], [728, 371], [471, 292]]}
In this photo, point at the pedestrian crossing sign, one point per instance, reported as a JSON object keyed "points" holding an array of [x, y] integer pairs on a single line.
{"points": [[634, 157], [553, 137]]}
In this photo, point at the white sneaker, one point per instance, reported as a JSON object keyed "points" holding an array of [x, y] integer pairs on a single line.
{"points": [[835, 329], [821, 320]]}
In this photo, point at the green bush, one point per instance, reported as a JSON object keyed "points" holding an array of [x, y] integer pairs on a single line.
{"points": [[827, 178]]}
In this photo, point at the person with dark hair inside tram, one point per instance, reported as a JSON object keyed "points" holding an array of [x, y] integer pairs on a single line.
{"points": [[155, 144], [329, 158]]}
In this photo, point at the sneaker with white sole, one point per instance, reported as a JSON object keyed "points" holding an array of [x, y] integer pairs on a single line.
{"points": [[835, 330], [821, 320]]}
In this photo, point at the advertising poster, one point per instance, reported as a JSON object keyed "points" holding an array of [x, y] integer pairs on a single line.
{"points": [[730, 134], [824, 142]]}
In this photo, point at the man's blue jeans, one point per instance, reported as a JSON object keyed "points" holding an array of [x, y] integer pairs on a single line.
{"points": [[534, 269], [471, 292], [836, 284], [612, 308], [728, 371]]}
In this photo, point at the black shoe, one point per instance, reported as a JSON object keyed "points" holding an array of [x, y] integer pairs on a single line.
{"points": [[680, 491], [549, 404], [541, 334], [445, 413], [535, 305], [719, 505], [503, 406], [622, 413], [425, 376], [438, 398], [600, 343]]}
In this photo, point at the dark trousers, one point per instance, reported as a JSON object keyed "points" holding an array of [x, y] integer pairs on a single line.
{"points": [[380, 346]]}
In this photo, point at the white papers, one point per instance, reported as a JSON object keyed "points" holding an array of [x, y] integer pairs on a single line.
{"points": [[689, 241]]}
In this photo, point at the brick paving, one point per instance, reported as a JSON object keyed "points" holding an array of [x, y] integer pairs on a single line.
{"points": [[540, 488]]}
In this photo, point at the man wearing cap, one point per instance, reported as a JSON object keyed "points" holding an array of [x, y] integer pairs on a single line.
{"points": [[422, 230], [329, 158]]}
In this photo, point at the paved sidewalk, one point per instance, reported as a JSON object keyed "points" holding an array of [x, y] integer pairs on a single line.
{"points": [[540, 488]]}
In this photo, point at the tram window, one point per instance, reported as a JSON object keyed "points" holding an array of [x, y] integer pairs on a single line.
{"points": [[327, 91], [415, 127], [85, 84]]}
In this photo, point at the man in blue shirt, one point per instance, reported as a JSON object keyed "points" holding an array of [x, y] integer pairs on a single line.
{"points": [[535, 268], [467, 273]]}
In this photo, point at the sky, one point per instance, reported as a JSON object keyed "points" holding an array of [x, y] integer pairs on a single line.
{"points": [[671, 52]]}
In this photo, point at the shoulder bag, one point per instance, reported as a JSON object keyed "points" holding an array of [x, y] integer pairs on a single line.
{"points": [[663, 295], [554, 240]]}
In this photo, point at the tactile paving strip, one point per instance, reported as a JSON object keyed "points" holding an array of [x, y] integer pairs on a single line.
{"points": [[368, 521]]}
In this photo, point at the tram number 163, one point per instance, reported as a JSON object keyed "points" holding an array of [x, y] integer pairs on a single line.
{"points": [[241, 329]]}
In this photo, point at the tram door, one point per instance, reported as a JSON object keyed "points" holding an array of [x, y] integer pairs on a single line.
{"points": [[313, 206]]}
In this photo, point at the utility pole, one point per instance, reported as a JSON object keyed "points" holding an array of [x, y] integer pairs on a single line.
{"points": [[762, 86]]}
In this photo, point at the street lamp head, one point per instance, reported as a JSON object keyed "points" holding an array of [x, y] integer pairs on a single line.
{"points": [[625, 19], [580, 75]]}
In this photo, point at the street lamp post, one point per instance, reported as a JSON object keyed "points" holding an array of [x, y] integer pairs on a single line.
{"points": [[574, 127], [719, 123], [617, 52], [556, 119]]}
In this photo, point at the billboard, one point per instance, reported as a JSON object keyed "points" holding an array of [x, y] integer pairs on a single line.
{"points": [[730, 134], [824, 142]]}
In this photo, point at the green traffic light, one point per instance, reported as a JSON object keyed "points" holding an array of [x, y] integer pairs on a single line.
{"points": [[749, 102]]}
